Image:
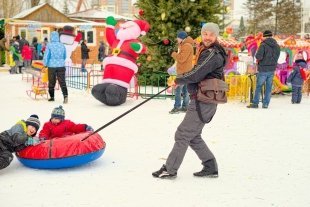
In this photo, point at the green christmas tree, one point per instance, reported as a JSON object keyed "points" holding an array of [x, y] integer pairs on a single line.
{"points": [[242, 29], [166, 18]]}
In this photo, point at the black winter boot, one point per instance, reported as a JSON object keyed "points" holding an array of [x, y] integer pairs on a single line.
{"points": [[209, 169], [162, 173]]}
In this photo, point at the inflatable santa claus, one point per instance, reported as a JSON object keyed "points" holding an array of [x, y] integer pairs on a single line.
{"points": [[120, 66], [70, 40]]}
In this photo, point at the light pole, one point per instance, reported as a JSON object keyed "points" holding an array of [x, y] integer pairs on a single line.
{"points": [[302, 26], [276, 23]]}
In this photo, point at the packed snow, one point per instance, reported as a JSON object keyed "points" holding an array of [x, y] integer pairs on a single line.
{"points": [[263, 155]]}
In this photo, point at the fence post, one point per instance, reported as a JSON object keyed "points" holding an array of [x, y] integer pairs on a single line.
{"points": [[88, 80]]}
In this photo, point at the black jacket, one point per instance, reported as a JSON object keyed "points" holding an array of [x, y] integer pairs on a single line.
{"points": [[210, 64], [84, 51], [101, 53], [267, 55]]}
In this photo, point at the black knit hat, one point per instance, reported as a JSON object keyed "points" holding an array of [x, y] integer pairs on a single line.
{"points": [[267, 33], [34, 121]]}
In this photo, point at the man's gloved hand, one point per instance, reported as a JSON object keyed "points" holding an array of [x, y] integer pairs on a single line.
{"points": [[32, 141], [111, 21], [89, 128]]}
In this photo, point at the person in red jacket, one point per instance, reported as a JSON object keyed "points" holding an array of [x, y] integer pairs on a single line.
{"points": [[58, 126], [27, 55]]}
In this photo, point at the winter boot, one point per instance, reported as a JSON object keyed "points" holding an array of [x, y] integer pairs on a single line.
{"points": [[253, 106], [174, 111], [51, 99], [65, 99], [209, 169], [183, 109], [162, 173]]}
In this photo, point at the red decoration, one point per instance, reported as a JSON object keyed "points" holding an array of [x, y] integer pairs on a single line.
{"points": [[141, 12], [235, 59], [229, 30], [166, 41]]}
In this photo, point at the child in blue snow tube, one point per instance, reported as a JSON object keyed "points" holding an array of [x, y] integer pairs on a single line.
{"points": [[17, 138]]}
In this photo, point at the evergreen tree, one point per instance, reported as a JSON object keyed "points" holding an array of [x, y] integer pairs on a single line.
{"points": [[66, 9], [260, 15], [242, 29], [166, 18], [34, 3]]}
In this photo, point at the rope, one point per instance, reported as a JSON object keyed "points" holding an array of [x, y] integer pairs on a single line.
{"points": [[124, 114]]}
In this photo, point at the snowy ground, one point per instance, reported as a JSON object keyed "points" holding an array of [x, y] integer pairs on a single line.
{"points": [[263, 155]]}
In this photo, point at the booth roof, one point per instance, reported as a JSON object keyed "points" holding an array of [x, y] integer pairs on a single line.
{"points": [[28, 11], [229, 42], [293, 43], [97, 14], [57, 24]]}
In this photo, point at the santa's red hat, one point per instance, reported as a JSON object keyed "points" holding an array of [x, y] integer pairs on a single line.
{"points": [[144, 26]]}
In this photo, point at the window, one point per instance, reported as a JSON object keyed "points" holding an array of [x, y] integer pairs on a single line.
{"points": [[45, 33], [22, 32], [89, 34], [111, 2], [111, 9]]}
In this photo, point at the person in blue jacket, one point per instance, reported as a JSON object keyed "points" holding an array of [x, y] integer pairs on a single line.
{"points": [[54, 59], [295, 78]]}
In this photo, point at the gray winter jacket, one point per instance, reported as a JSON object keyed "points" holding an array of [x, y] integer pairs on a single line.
{"points": [[267, 55], [210, 64], [14, 139]]}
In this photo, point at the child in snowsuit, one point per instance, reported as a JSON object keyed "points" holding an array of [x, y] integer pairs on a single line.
{"points": [[17, 138], [27, 55], [17, 58], [295, 78], [57, 126]]}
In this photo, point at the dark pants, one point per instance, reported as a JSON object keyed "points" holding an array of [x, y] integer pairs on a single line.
{"points": [[296, 94], [84, 61], [110, 94], [6, 156], [188, 134], [60, 74]]}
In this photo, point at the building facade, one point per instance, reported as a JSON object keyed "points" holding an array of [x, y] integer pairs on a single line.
{"points": [[120, 7]]}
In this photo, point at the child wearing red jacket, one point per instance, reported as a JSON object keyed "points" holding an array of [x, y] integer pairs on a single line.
{"points": [[57, 126], [27, 55]]}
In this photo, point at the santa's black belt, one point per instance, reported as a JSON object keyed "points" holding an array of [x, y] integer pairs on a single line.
{"points": [[128, 55]]}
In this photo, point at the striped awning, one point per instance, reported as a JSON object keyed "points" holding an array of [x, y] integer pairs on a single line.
{"points": [[229, 42], [225, 42], [293, 44]]}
